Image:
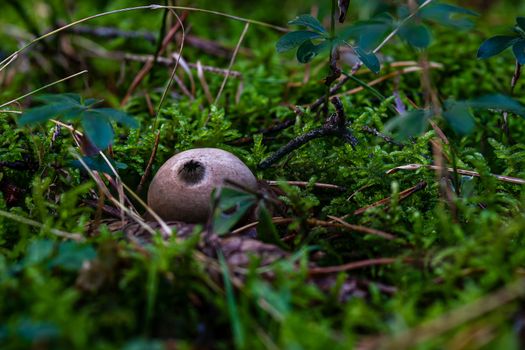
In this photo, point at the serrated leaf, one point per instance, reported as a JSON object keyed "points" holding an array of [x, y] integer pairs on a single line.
{"points": [[309, 22], [416, 35], [499, 102], [44, 113], [408, 124], [293, 39], [370, 60], [520, 21], [458, 115], [495, 45], [231, 207], [98, 129], [118, 116], [519, 51]]}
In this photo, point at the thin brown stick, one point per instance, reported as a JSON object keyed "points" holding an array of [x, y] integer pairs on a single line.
{"points": [[204, 84], [449, 320], [149, 64], [305, 184], [234, 56], [504, 178], [402, 195], [26, 221], [363, 229], [99, 52], [315, 222], [147, 171], [383, 78], [351, 266]]}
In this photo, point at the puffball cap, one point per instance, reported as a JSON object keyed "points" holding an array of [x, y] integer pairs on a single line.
{"points": [[181, 190]]}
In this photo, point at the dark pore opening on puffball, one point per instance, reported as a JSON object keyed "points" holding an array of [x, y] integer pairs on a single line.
{"points": [[192, 172]]}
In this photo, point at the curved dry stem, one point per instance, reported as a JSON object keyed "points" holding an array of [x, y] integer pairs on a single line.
{"points": [[73, 236], [173, 72], [4, 63], [42, 88]]}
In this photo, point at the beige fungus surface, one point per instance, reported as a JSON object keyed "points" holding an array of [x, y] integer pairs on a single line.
{"points": [[181, 189]]}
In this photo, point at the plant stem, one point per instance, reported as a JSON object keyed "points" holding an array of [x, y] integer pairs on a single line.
{"points": [[330, 79]]}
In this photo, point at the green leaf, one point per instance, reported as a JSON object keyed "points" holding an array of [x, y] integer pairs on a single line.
{"points": [[237, 325], [447, 15], [71, 256], [370, 60], [118, 116], [89, 102], [409, 124], [495, 45], [519, 51], [266, 230], [520, 21], [310, 22], [368, 34], [39, 251], [98, 163], [36, 331], [458, 115], [50, 111], [308, 50], [232, 206], [416, 35], [68, 98], [293, 39], [98, 129], [498, 101]]}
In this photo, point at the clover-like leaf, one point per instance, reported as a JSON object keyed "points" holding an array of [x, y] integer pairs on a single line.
{"points": [[519, 51], [448, 15], [370, 60], [458, 115], [310, 22], [368, 34], [71, 255], [416, 35], [117, 116], [98, 129], [67, 98], [98, 163], [409, 124], [308, 50], [499, 102], [495, 45], [96, 121], [44, 113], [294, 39]]}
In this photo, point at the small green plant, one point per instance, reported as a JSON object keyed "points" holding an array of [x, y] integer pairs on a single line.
{"points": [[496, 44], [310, 43], [96, 122], [368, 34]]}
